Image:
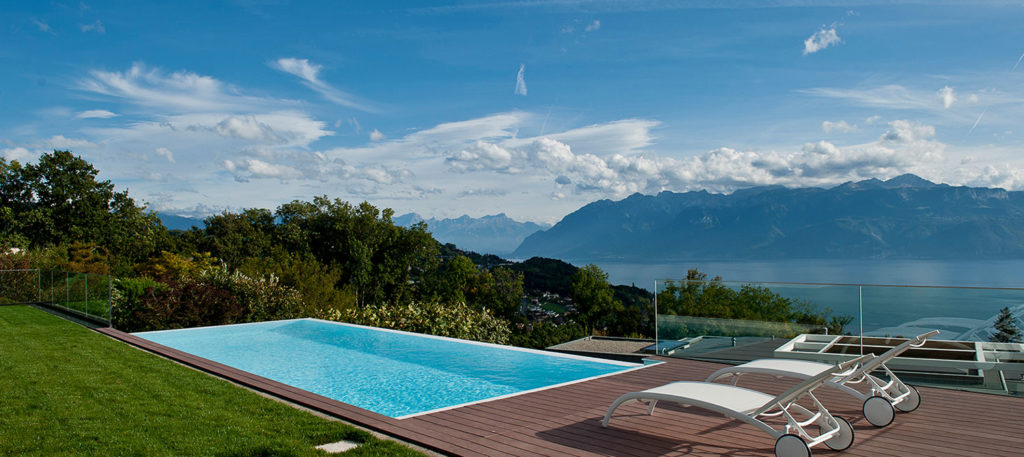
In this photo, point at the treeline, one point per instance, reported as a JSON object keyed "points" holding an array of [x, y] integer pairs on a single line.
{"points": [[749, 310], [326, 258]]}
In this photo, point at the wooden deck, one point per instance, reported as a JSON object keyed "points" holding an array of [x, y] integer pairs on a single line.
{"points": [[566, 420]]}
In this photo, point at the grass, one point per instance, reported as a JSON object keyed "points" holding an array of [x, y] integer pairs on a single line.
{"points": [[67, 390]]}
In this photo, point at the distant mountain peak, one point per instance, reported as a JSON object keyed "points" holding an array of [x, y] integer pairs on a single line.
{"points": [[908, 180], [491, 234], [904, 181]]}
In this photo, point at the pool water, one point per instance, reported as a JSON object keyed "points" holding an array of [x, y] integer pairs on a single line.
{"points": [[397, 374]]}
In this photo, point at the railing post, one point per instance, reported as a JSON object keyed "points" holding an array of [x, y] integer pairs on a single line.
{"points": [[67, 290], [39, 285], [657, 342], [87, 294], [110, 301], [860, 307]]}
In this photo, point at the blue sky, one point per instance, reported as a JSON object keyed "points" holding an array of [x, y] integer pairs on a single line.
{"points": [[528, 108]]}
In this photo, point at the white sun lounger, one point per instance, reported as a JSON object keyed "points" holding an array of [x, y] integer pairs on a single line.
{"points": [[750, 406], [878, 404]]}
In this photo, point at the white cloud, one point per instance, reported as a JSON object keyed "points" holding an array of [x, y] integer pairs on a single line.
{"points": [[181, 91], [890, 96], [972, 99], [19, 153], [841, 127], [60, 142], [165, 153], [947, 96], [622, 136], [258, 169], [94, 27], [906, 131], [593, 26], [521, 80], [310, 75], [821, 39], [247, 128], [43, 27], [872, 119], [278, 129], [95, 114], [376, 135]]}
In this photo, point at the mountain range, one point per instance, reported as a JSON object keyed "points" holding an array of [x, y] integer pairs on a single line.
{"points": [[497, 234], [175, 222], [906, 217]]}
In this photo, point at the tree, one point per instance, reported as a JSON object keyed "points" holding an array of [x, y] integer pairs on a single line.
{"points": [[1006, 328], [233, 238], [593, 296], [378, 259], [59, 200], [459, 274]]}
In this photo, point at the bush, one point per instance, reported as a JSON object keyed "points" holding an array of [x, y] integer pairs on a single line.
{"points": [[455, 321], [316, 282], [540, 335], [262, 299], [214, 297], [127, 300]]}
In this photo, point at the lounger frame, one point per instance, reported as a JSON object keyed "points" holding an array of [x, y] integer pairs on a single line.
{"points": [[895, 391], [785, 405]]}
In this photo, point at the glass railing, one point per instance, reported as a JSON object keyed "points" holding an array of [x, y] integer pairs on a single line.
{"points": [[740, 321], [83, 294]]}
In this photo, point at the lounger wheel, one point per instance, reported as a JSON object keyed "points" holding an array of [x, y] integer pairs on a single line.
{"points": [[878, 411], [911, 402], [790, 445], [844, 439]]}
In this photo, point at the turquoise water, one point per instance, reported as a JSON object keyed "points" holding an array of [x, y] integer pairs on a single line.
{"points": [[392, 373]]}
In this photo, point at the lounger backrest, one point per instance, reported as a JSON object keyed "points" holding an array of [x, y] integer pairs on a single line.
{"points": [[810, 383], [886, 356]]}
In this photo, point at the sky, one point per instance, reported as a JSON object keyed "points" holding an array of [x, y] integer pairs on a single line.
{"points": [[528, 108]]}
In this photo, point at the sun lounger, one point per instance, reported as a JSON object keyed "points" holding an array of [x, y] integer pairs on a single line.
{"points": [[750, 406], [878, 405]]}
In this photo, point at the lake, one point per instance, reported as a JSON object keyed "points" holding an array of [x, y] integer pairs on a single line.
{"points": [[961, 312]]}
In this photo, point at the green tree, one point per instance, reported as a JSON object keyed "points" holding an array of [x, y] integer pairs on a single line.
{"points": [[1006, 328], [459, 275], [507, 293], [233, 238], [380, 260], [593, 296], [59, 200]]}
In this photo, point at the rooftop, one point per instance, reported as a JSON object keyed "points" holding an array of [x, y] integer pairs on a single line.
{"points": [[566, 420]]}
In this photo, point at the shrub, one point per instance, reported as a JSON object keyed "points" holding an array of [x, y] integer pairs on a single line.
{"points": [[315, 281], [127, 307], [455, 321], [540, 335], [262, 299], [214, 297]]}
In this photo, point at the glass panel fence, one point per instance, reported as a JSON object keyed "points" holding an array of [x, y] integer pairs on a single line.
{"points": [[78, 293], [978, 345], [18, 286]]}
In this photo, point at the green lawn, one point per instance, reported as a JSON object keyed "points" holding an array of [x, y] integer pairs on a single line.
{"points": [[66, 390]]}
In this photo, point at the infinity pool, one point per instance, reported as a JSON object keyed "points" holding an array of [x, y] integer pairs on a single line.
{"points": [[397, 374]]}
